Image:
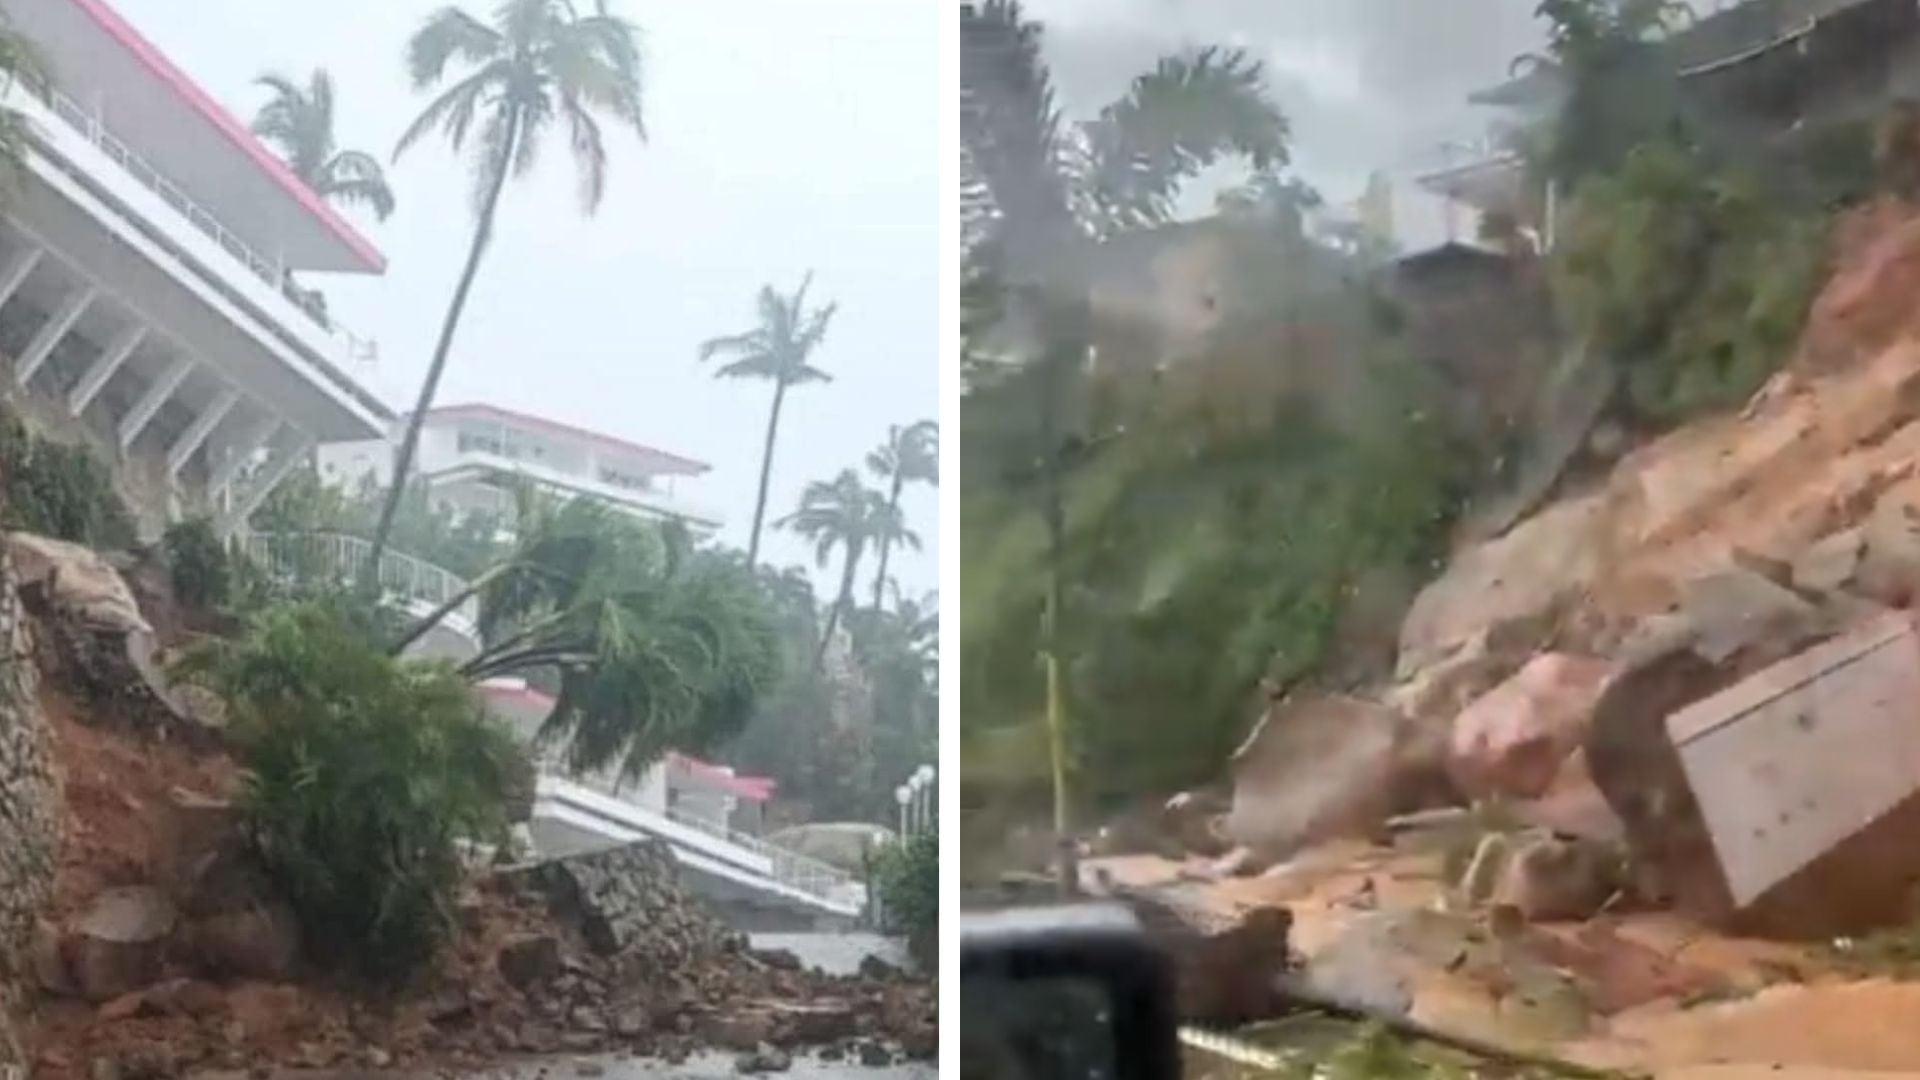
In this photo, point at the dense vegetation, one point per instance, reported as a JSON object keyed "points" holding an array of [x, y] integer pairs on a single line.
{"points": [[363, 774], [907, 876], [59, 490]]}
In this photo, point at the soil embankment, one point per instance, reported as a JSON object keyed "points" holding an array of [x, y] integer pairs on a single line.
{"points": [[1600, 684]]}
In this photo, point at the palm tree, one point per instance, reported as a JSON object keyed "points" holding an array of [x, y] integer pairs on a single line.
{"points": [[655, 645], [537, 63], [1038, 191], [300, 122], [777, 350], [20, 62], [845, 513], [910, 455]]}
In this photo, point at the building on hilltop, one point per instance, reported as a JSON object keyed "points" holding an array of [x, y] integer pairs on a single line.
{"points": [[468, 452], [1764, 71], [147, 300]]}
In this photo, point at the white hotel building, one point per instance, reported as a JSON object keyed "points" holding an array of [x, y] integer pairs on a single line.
{"points": [[146, 303], [467, 453]]}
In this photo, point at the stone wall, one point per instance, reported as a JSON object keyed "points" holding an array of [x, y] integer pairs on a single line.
{"points": [[30, 802], [628, 901]]}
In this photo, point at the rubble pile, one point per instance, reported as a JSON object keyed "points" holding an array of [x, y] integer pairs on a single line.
{"points": [[150, 944], [1676, 708]]}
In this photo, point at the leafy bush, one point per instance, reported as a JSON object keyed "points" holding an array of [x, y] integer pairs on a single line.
{"points": [[60, 491], [363, 772], [198, 563], [1693, 280], [906, 876]]}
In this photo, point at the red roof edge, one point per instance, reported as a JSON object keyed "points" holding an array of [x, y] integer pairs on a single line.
{"points": [[751, 788], [684, 465], [182, 84]]}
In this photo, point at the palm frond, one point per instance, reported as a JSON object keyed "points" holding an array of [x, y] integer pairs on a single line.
{"points": [[447, 35], [1174, 121], [1009, 124], [356, 177], [589, 151], [453, 110]]}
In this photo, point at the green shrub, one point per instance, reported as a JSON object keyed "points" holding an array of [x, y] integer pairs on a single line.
{"points": [[198, 563], [363, 772], [1693, 279], [906, 876], [59, 491]]}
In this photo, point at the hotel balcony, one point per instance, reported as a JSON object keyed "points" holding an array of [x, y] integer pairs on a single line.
{"points": [[139, 307]]}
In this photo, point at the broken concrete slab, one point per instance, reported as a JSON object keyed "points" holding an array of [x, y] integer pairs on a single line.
{"points": [[1806, 776]]}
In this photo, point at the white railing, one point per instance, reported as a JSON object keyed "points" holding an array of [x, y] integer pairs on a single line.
{"points": [[268, 270], [790, 868], [344, 557]]}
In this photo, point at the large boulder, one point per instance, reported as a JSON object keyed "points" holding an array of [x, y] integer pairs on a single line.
{"points": [[1327, 767], [78, 582], [119, 943], [1510, 588], [1513, 739]]}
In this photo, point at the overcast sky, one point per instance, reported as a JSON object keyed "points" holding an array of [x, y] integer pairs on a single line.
{"points": [[1367, 84], [784, 137]]}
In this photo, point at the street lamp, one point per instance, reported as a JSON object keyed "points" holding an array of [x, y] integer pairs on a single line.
{"points": [[902, 795]]}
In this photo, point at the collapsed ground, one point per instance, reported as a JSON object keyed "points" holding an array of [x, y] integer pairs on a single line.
{"points": [[1624, 891], [158, 948]]}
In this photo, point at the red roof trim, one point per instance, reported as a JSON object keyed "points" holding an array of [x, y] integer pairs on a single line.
{"points": [[754, 788], [180, 83], [669, 462]]}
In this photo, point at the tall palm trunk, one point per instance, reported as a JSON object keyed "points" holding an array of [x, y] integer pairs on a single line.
{"points": [[1066, 345], [766, 472], [482, 234], [840, 602], [893, 505]]}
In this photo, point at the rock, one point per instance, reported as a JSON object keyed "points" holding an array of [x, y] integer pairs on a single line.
{"points": [[1510, 587], [816, 1022], [48, 964], [1549, 880], [1890, 561], [631, 1022], [875, 1055], [530, 960], [119, 944], [185, 997], [1318, 769], [1225, 967], [766, 1059], [1512, 740], [872, 967], [1240, 862], [378, 1058], [198, 828], [921, 1042], [589, 1069], [1434, 695], [778, 959], [78, 582], [1831, 563], [739, 1029], [1734, 607], [262, 942]]}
